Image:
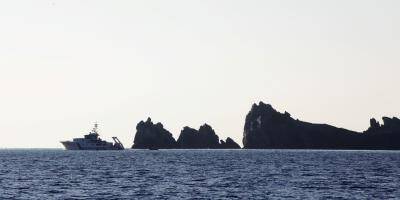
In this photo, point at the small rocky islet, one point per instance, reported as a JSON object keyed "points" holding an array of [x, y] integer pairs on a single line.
{"points": [[266, 128], [155, 136]]}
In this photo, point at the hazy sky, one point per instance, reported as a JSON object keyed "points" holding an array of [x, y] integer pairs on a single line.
{"points": [[66, 64]]}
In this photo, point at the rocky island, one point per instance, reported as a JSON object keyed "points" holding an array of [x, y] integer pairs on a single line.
{"points": [[150, 135], [266, 128], [155, 136]]}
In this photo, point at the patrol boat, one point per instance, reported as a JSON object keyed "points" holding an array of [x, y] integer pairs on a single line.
{"points": [[92, 141]]}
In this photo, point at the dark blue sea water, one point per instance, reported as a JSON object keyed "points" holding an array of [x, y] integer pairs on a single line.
{"points": [[199, 174]]}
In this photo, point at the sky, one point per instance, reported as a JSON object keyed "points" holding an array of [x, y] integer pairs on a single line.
{"points": [[65, 64]]}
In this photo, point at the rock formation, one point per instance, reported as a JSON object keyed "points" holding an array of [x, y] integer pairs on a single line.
{"points": [[204, 138], [189, 139], [229, 144], [267, 128], [154, 136], [149, 135]]}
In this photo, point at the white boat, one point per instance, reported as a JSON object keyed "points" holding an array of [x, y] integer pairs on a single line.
{"points": [[92, 141]]}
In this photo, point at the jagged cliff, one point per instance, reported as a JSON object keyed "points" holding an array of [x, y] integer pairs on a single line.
{"points": [[149, 135], [267, 128], [204, 138], [229, 143]]}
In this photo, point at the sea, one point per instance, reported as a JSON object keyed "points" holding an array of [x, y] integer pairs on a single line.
{"points": [[199, 174]]}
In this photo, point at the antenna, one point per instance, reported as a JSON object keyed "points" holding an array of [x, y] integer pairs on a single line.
{"points": [[95, 128]]}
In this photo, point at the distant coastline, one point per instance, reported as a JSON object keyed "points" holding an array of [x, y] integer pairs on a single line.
{"points": [[266, 128]]}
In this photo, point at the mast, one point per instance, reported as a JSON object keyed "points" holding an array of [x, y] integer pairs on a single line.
{"points": [[95, 129]]}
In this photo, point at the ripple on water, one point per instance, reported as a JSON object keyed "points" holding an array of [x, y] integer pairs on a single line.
{"points": [[202, 174]]}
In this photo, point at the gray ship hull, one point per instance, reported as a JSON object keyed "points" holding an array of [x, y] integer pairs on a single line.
{"points": [[70, 145]]}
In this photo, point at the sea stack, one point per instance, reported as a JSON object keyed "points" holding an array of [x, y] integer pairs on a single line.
{"points": [[204, 138], [266, 128], [229, 143], [152, 136], [155, 136]]}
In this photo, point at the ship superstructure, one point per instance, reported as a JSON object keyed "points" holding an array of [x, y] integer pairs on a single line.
{"points": [[92, 141]]}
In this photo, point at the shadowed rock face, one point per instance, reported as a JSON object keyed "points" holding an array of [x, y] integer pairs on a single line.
{"points": [[189, 139], [207, 137], [267, 128], [149, 135], [229, 144], [204, 138]]}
